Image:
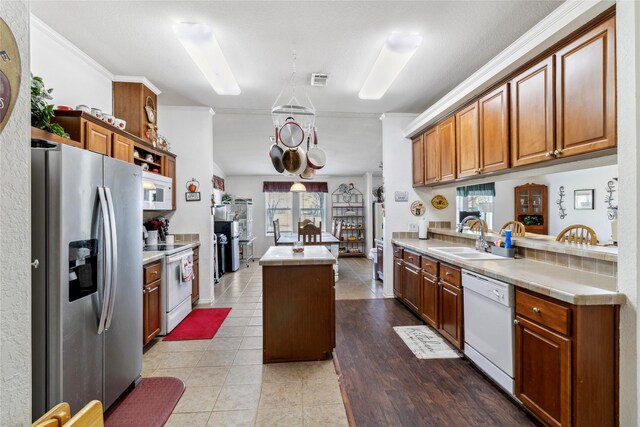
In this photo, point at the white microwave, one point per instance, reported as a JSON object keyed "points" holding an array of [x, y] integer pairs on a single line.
{"points": [[157, 192]]}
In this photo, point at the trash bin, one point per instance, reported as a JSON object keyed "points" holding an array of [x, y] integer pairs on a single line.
{"points": [[222, 242], [373, 255]]}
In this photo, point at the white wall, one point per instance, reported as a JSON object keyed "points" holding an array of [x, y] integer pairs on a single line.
{"points": [[251, 187], [74, 76], [190, 132], [15, 239]]}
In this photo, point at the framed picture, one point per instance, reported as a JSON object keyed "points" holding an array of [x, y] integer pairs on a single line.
{"points": [[192, 197], [583, 199]]}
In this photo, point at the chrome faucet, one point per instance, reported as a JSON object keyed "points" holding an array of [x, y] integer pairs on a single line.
{"points": [[481, 243]]}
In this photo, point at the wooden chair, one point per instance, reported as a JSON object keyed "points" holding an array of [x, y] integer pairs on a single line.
{"points": [[276, 231], [474, 225], [310, 234], [517, 228], [60, 415], [578, 233]]}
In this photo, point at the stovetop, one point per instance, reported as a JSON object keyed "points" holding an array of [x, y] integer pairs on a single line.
{"points": [[162, 247]]}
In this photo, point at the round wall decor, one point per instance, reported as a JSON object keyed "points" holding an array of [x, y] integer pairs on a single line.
{"points": [[439, 202], [418, 208], [10, 73]]}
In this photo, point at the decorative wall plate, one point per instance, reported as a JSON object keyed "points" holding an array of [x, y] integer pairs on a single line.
{"points": [[10, 73], [418, 208], [439, 202]]}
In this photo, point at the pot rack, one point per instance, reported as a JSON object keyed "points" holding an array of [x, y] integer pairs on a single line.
{"points": [[293, 107]]}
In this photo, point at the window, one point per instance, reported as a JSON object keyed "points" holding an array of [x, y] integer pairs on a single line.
{"points": [[475, 199], [290, 208]]}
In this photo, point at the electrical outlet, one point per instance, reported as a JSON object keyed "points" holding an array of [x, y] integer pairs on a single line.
{"points": [[413, 226]]}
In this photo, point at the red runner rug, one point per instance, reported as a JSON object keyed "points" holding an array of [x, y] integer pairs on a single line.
{"points": [[200, 324], [149, 404]]}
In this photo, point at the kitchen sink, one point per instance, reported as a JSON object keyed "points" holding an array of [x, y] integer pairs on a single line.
{"points": [[467, 254]]}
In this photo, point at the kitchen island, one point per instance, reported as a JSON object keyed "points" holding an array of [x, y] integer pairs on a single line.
{"points": [[298, 304]]}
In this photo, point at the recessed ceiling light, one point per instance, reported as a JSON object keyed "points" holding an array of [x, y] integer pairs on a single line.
{"points": [[395, 54], [200, 43]]}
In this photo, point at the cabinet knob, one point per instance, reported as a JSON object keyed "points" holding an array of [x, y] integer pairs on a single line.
{"points": [[516, 322], [446, 273], [35, 263], [536, 310], [548, 154], [557, 152]]}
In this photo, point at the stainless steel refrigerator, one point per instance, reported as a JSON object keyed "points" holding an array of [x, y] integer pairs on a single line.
{"points": [[87, 288]]}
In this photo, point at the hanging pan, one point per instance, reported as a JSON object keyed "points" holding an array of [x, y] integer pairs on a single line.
{"points": [[294, 160], [291, 133], [308, 172], [316, 157], [275, 153]]}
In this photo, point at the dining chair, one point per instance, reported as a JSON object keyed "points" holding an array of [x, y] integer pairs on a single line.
{"points": [[474, 225], [60, 415], [302, 223], [276, 231], [517, 228], [578, 233], [310, 234]]}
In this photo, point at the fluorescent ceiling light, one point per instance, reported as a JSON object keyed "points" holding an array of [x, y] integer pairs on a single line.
{"points": [[395, 54], [202, 46]]}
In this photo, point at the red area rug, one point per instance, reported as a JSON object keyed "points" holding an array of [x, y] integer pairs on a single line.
{"points": [[200, 324], [149, 404]]}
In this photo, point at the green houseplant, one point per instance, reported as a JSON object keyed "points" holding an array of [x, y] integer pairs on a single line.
{"points": [[41, 111]]}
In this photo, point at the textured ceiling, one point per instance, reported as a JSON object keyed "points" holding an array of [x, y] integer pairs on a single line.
{"points": [[341, 38]]}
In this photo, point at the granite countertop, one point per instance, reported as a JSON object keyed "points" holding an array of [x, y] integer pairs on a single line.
{"points": [[572, 286], [284, 255]]}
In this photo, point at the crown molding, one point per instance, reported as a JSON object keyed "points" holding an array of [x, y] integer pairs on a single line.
{"points": [[36, 22], [137, 79], [568, 17]]}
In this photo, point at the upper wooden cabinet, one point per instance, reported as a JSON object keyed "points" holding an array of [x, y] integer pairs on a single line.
{"points": [[493, 113], [467, 143], [169, 170], [129, 102], [122, 148], [431, 156], [418, 161], [97, 138], [532, 135], [586, 92], [447, 149]]}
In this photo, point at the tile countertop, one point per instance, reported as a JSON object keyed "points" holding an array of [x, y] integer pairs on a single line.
{"points": [[284, 255], [572, 286], [150, 256]]}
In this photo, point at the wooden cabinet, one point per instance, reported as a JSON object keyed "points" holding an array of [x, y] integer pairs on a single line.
{"points": [[586, 92], [493, 113], [398, 274], [129, 101], [411, 286], [195, 283], [380, 261], [151, 301], [418, 161], [169, 170], [431, 156], [122, 148], [450, 305], [467, 143], [532, 129], [97, 138], [429, 294], [531, 207], [447, 150]]}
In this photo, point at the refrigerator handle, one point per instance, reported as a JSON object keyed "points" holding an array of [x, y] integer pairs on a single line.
{"points": [[106, 278], [114, 255]]}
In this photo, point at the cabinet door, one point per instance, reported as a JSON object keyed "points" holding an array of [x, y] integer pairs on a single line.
{"points": [[543, 372], [493, 110], [169, 170], [586, 92], [97, 138], [411, 282], [195, 283], [122, 148], [450, 300], [398, 267], [447, 149], [151, 311], [430, 299], [467, 149], [532, 131], [431, 156], [418, 161]]}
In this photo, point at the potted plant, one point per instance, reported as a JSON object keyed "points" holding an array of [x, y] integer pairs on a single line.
{"points": [[41, 111]]}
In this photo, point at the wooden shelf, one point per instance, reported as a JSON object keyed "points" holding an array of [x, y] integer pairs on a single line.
{"points": [[140, 159]]}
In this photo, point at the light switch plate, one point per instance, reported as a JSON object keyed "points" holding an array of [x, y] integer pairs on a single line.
{"points": [[413, 226]]}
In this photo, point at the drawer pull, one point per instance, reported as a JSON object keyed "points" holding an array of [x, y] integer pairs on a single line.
{"points": [[536, 310], [155, 273], [516, 322], [446, 273]]}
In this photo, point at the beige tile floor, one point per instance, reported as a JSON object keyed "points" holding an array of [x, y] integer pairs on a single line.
{"points": [[227, 385]]}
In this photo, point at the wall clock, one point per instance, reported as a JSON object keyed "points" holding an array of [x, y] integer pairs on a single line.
{"points": [[418, 208], [10, 73]]}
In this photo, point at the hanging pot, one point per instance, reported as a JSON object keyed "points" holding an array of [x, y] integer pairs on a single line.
{"points": [[294, 160], [275, 153], [291, 133], [316, 157], [308, 173]]}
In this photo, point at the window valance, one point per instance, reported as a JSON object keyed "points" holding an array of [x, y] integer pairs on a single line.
{"points": [[488, 189], [285, 186]]}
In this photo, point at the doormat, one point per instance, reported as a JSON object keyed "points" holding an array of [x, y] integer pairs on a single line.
{"points": [[425, 343], [200, 324], [149, 404]]}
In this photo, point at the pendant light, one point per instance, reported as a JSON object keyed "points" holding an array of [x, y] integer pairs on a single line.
{"points": [[298, 187]]}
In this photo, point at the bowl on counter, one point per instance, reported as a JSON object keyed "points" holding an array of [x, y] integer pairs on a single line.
{"points": [[120, 124], [108, 118], [97, 113], [83, 108], [64, 108]]}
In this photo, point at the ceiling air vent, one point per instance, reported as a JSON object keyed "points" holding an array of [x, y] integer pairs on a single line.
{"points": [[319, 79]]}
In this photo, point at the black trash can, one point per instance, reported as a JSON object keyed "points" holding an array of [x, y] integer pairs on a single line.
{"points": [[222, 246]]}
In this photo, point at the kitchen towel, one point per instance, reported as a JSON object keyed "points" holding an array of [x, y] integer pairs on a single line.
{"points": [[186, 268]]}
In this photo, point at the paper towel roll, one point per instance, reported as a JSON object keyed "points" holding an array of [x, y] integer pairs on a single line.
{"points": [[422, 229]]}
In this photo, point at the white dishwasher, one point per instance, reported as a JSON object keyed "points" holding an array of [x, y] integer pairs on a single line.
{"points": [[488, 327]]}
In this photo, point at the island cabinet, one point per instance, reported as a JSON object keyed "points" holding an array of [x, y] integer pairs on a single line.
{"points": [[151, 300], [195, 283], [566, 360], [417, 145]]}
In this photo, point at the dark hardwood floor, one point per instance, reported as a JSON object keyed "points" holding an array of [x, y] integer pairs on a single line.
{"points": [[388, 386]]}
